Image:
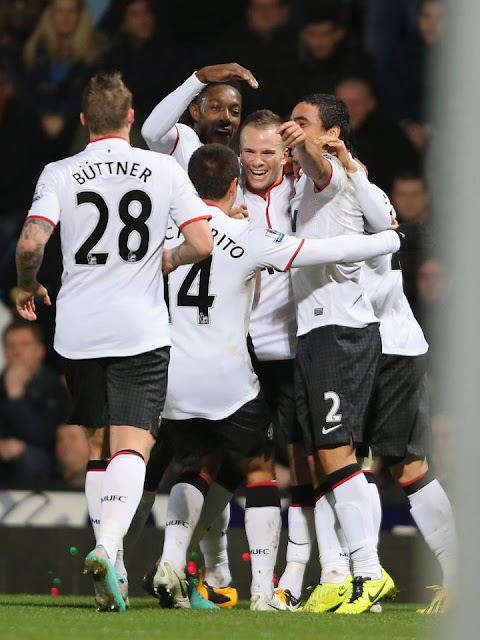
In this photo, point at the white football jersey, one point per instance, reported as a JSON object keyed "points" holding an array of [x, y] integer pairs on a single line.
{"points": [[332, 294], [161, 130], [210, 373], [401, 334], [273, 323], [113, 202]]}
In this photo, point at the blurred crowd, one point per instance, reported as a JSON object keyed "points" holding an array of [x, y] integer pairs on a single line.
{"points": [[374, 54]]}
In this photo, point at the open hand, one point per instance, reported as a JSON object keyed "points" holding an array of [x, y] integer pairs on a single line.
{"points": [[228, 71], [25, 301]]}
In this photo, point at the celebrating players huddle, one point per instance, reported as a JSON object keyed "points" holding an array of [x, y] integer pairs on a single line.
{"points": [[277, 315]]}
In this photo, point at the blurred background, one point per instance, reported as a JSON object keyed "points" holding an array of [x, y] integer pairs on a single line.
{"points": [[376, 55]]}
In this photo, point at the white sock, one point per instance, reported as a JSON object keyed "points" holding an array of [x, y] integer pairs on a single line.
{"points": [[352, 506], [138, 523], [299, 546], [376, 508], [121, 492], [262, 526], [119, 563], [93, 492], [214, 549], [334, 557], [183, 512], [432, 512]]}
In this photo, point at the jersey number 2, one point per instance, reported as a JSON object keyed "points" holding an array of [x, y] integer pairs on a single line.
{"points": [[131, 223], [203, 300]]}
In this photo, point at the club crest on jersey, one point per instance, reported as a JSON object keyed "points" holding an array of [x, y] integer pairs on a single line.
{"points": [[276, 236], [38, 192]]}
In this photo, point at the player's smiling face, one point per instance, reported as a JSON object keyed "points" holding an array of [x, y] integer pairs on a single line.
{"points": [[263, 157], [217, 116], [306, 115]]}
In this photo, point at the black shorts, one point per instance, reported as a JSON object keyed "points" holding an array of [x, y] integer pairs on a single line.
{"points": [[335, 372], [118, 391], [247, 433], [398, 419], [277, 382]]}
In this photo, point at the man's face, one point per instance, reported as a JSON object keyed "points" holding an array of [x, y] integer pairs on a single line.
{"points": [[410, 199], [22, 348], [217, 115], [266, 15], [321, 38], [360, 103], [431, 22], [66, 14], [263, 157], [139, 21], [431, 282]]}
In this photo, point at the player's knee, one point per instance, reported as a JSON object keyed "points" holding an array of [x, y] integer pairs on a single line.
{"points": [[408, 469]]}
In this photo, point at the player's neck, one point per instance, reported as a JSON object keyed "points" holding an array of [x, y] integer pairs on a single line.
{"points": [[225, 204], [119, 133]]}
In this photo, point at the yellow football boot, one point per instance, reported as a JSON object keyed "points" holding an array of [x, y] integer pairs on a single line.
{"points": [[327, 596], [364, 593], [225, 598], [441, 601]]}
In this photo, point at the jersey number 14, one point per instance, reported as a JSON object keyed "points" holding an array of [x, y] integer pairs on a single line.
{"points": [[202, 299]]}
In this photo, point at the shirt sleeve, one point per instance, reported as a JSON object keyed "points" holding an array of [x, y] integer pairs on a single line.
{"points": [[311, 194], [159, 129], [46, 201], [272, 249], [186, 205], [375, 204], [351, 248]]}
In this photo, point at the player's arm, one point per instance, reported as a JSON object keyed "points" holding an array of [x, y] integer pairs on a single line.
{"points": [[376, 206], [29, 256], [198, 244], [310, 154]]}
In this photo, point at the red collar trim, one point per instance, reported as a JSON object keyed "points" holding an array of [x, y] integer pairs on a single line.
{"points": [[211, 204], [107, 137], [268, 191]]}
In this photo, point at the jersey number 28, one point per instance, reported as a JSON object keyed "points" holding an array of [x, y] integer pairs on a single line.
{"points": [[131, 223]]}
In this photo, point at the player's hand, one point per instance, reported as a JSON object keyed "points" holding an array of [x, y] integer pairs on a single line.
{"points": [[292, 134], [11, 448], [336, 147], [239, 213], [25, 301], [167, 262], [394, 224], [228, 71]]}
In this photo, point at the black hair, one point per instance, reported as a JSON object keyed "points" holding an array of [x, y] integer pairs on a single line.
{"points": [[211, 169], [332, 112], [410, 173], [231, 83], [20, 323], [321, 11]]}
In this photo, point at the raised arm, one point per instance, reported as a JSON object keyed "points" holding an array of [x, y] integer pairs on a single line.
{"points": [[29, 256], [159, 128]]}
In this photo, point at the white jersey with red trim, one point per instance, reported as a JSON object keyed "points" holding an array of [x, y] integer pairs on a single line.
{"points": [[210, 373], [401, 334], [273, 323], [162, 131], [332, 294], [113, 202]]}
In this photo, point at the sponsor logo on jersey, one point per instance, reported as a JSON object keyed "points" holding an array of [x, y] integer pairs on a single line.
{"points": [[38, 192], [276, 236], [318, 311]]}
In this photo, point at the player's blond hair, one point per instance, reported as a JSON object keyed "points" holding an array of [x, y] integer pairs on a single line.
{"points": [[84, 45], [262, 119], [105, 102]]}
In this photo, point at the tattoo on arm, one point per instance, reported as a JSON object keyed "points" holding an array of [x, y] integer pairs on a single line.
{"points": [[30, 247], [175, 256]]}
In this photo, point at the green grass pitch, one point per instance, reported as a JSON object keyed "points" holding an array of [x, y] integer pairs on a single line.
{"points": [[70, 617]]}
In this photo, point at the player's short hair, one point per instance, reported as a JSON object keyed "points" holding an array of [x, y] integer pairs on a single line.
{"points": [[212, 169], [105, 102], [332, 112], [262, 119], [19, 323], [203, 94]]}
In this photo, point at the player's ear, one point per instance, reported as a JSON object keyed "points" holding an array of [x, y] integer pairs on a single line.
{"points": [[233, 187], [131, 116], [83, 120], [194, 111], [285, 157], [334, 131]]}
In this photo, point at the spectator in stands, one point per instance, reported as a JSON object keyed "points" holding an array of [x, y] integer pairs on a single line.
{"points": [[60, 56], [408, 76], [379, 143], [326, 55], [20, 130], [410, 197], [71, 449], [144, 57], [33, 402], [265, 42]]}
